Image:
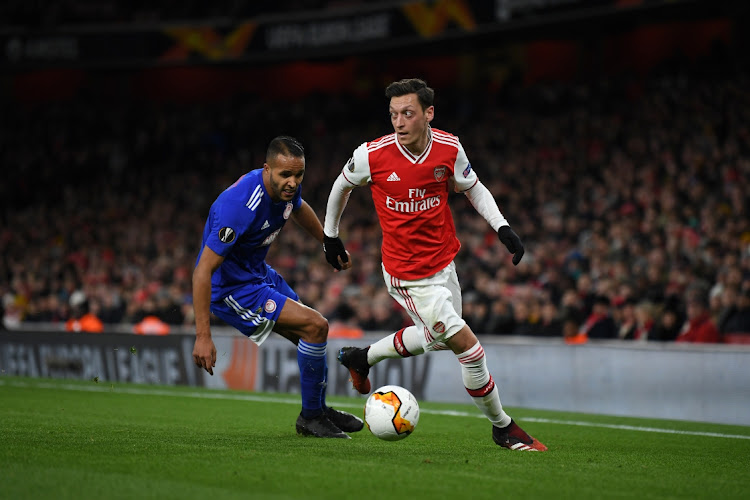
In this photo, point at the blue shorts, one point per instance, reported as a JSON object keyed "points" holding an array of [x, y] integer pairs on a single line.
{"points": [[254, 308]]}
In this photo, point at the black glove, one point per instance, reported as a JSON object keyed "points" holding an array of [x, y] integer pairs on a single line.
{"points": [[512, 242], [334, 248]]}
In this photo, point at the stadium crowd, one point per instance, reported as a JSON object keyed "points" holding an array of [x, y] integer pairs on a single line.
{"points": [[630, 196]]}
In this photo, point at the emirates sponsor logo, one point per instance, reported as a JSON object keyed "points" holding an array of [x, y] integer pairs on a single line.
{"points": [[412, 205]]}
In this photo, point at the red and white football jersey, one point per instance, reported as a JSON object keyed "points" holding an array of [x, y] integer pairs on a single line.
{"points": [[411, 199]]}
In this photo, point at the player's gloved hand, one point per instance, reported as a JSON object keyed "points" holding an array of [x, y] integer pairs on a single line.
{"points": [[512, 242], [334, 248]]}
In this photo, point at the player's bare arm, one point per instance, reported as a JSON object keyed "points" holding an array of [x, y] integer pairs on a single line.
{"points": [[306, 218], [204, 351]]}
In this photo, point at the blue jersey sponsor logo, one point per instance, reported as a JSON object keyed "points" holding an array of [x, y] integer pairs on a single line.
{"points": [[467, 170]]}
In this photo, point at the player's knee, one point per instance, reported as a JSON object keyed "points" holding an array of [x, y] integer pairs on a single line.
{"points": [[316, 329], [463, 340]]}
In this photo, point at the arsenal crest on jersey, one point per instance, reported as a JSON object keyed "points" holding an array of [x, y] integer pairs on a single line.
{"points": [[439, 173]]}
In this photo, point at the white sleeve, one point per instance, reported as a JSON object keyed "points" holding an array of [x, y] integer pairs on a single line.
{"points": [[484, 203], [463, 175], [356, 172], [337, 200]]}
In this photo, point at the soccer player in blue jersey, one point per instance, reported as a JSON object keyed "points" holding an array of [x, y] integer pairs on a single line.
{"points": [[232, 280]]}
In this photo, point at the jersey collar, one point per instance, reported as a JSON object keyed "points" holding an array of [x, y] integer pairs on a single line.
{"points": [[416, 159]]}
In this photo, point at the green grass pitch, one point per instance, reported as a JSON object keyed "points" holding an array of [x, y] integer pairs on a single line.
{"points": [[87, 440]]}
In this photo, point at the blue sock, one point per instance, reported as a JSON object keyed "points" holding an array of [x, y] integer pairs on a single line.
{"points": [[325, 384], [311, 359]]}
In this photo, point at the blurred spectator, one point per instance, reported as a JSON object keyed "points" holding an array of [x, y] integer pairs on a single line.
{"points": [[385, 317], [500, 320], [2, 315], [586, 293], [113, 307], [699, 327], [571, 327], [151, 325], [524, 323], [343, 323], [645, 319], [476, 311], [13, 311], [550, 321], [599, 324], [627, 321], [723, 303], [82, 319], [738, 318], [668, 323]]}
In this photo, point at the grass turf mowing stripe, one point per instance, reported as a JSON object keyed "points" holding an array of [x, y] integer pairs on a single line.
{"points": [[634, 428], [145, 391]]}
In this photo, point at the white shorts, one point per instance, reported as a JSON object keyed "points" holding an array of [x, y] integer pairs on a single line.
{"points": [[433, 303]]}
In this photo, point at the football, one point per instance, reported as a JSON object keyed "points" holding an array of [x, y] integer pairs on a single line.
{"points": [[391, 413]]}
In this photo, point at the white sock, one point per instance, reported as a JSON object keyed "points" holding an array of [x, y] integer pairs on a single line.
{"points": [[402, 344], [480, 385]]}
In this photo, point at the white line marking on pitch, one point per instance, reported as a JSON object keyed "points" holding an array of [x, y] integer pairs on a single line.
{"points": [[266, 399], [633, 428]]}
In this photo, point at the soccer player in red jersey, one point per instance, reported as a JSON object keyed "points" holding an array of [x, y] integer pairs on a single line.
{"points": [[410, 173]]}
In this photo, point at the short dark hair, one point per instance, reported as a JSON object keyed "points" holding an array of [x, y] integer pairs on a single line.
{"points": [[406, 86], [698, 293], [602, 299], [285, 145]]}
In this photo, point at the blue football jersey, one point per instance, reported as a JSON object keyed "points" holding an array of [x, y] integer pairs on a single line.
{"points": [[241, 225]]}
